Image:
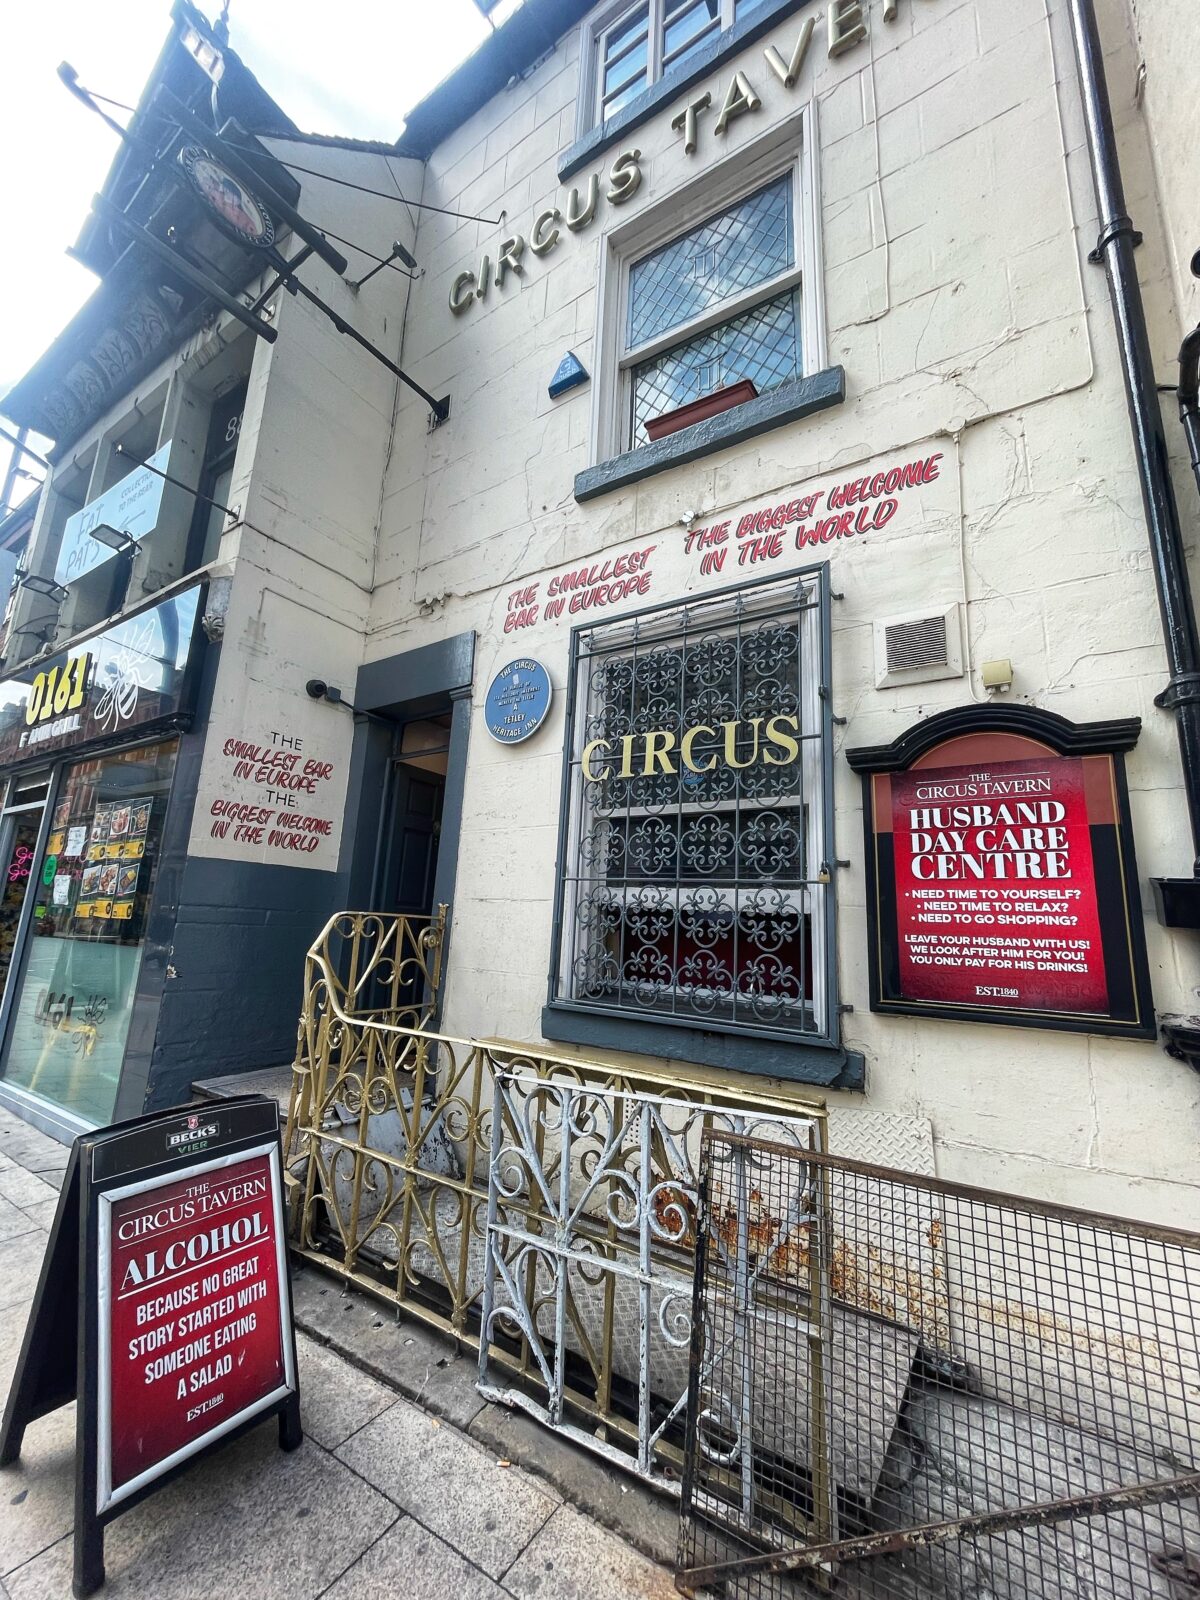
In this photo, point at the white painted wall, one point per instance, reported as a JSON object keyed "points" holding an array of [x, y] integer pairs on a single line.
{"points": [[956, 213], [314, 445]]}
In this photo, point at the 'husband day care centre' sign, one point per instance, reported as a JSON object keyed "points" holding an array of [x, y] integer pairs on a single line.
{"points": [[1003, 886]]}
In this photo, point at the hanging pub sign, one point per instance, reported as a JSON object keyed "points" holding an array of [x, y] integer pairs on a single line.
{"points": [[1002, 885], [169, 1237], [137, 671]]}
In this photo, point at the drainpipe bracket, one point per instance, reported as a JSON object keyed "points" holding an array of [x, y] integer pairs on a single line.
{"points": [[1111, 231], [1182, 690], [1177, 901]]}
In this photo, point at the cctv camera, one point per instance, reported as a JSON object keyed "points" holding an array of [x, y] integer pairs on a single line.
{"points": [[316, 688]]}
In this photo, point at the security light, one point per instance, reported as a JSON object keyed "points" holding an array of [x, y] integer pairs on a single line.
{"points": [[115, 538], [43, 586]]}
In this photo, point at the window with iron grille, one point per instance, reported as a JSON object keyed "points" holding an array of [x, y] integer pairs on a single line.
{"points": [[693, 876], [633, 46], [716, 305]]}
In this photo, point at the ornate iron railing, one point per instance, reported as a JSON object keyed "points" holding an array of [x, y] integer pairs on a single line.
{"points": [[591, 1239], [389, 1140]]}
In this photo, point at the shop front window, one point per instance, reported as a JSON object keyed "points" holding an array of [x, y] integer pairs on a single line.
{"points": [[92, 885], [19, 826], [693, 880]]}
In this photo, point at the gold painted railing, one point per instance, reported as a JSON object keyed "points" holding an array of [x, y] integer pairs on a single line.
{"points": [[388, 1143]]}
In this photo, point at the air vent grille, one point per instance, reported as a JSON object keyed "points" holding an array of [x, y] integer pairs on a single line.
{"points": [[921, 643]]}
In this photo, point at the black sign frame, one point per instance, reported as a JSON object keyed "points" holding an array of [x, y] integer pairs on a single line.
{"points": [[60, 1359], [72, 676], [1123, 934]]}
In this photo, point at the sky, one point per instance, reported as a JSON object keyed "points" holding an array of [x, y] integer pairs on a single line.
{"points": [[335, 66]]}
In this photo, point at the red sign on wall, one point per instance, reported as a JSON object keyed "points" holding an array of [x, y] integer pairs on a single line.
{"points": [[192, 1335], [996, 887], [1002, 882]]}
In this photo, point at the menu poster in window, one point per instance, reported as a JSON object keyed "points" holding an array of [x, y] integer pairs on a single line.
{"points": [[170, 1235], [1004, 887]]}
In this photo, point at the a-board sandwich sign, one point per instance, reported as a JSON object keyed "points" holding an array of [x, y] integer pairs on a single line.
{"points": [[163, 1307], [1002, 884]]}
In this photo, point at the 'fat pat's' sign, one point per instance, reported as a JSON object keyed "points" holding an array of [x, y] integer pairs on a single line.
{"points": [[845, 26]]}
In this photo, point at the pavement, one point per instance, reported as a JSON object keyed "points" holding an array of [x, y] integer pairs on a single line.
{"points": [[407, 1483]]}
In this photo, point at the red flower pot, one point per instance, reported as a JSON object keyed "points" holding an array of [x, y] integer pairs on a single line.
{"points": [[708, 405]]}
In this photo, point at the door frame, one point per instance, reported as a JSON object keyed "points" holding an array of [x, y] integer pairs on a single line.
{"points": [[417, 683]]}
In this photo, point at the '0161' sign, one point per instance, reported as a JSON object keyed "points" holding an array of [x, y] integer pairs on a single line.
{"points": [[1003, 886], [170, 1235]]}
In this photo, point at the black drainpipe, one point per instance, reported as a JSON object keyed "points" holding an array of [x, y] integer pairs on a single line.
{"points": [[1189, 387], [1178, 899]]}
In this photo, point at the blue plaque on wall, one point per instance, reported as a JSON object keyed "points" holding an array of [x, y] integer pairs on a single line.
{"points": [[518, 700]]}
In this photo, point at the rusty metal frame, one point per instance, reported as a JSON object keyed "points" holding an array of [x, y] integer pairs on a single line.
{"points": [[1061, 1368]]}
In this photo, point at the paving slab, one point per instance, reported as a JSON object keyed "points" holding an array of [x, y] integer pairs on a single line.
{"points": [[410, 1561], [42, 1216], [573, 1559], [20, 1264], [13, 1221], [336, 1399], [33, 1150], [25, 1189], [487, 1511], [247, 1520], [37, 1493], [647, 1518], [421, 1363], [12, 1331]]}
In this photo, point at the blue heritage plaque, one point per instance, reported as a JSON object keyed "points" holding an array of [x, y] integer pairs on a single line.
{"points": [[518, 701]]}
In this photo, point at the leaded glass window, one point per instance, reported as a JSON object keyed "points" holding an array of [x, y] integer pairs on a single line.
{"points": [[746, 245], [693, 882], [741, 261]]}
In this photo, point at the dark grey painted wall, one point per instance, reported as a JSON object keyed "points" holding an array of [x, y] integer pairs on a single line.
{"points": [[232, 995]]}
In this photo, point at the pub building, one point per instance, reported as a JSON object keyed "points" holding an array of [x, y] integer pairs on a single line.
{"points": [[759, 654]]}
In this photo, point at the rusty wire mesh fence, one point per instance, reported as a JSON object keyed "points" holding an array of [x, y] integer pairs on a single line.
{"points": [[904, 1389]]}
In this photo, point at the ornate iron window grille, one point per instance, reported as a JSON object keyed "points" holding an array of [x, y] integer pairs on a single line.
{"points": [[700, 895]]}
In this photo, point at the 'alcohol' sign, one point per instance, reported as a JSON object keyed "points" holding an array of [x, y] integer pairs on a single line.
{"points": [[170, 1234]]}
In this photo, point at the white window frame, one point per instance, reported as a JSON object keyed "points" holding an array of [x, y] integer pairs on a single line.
{"points": [[593, 33], [788, 148]]}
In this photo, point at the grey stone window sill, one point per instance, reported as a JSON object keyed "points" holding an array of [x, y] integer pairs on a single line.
{"points": [[799, 398], [674, 81], [798, 1061]]}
